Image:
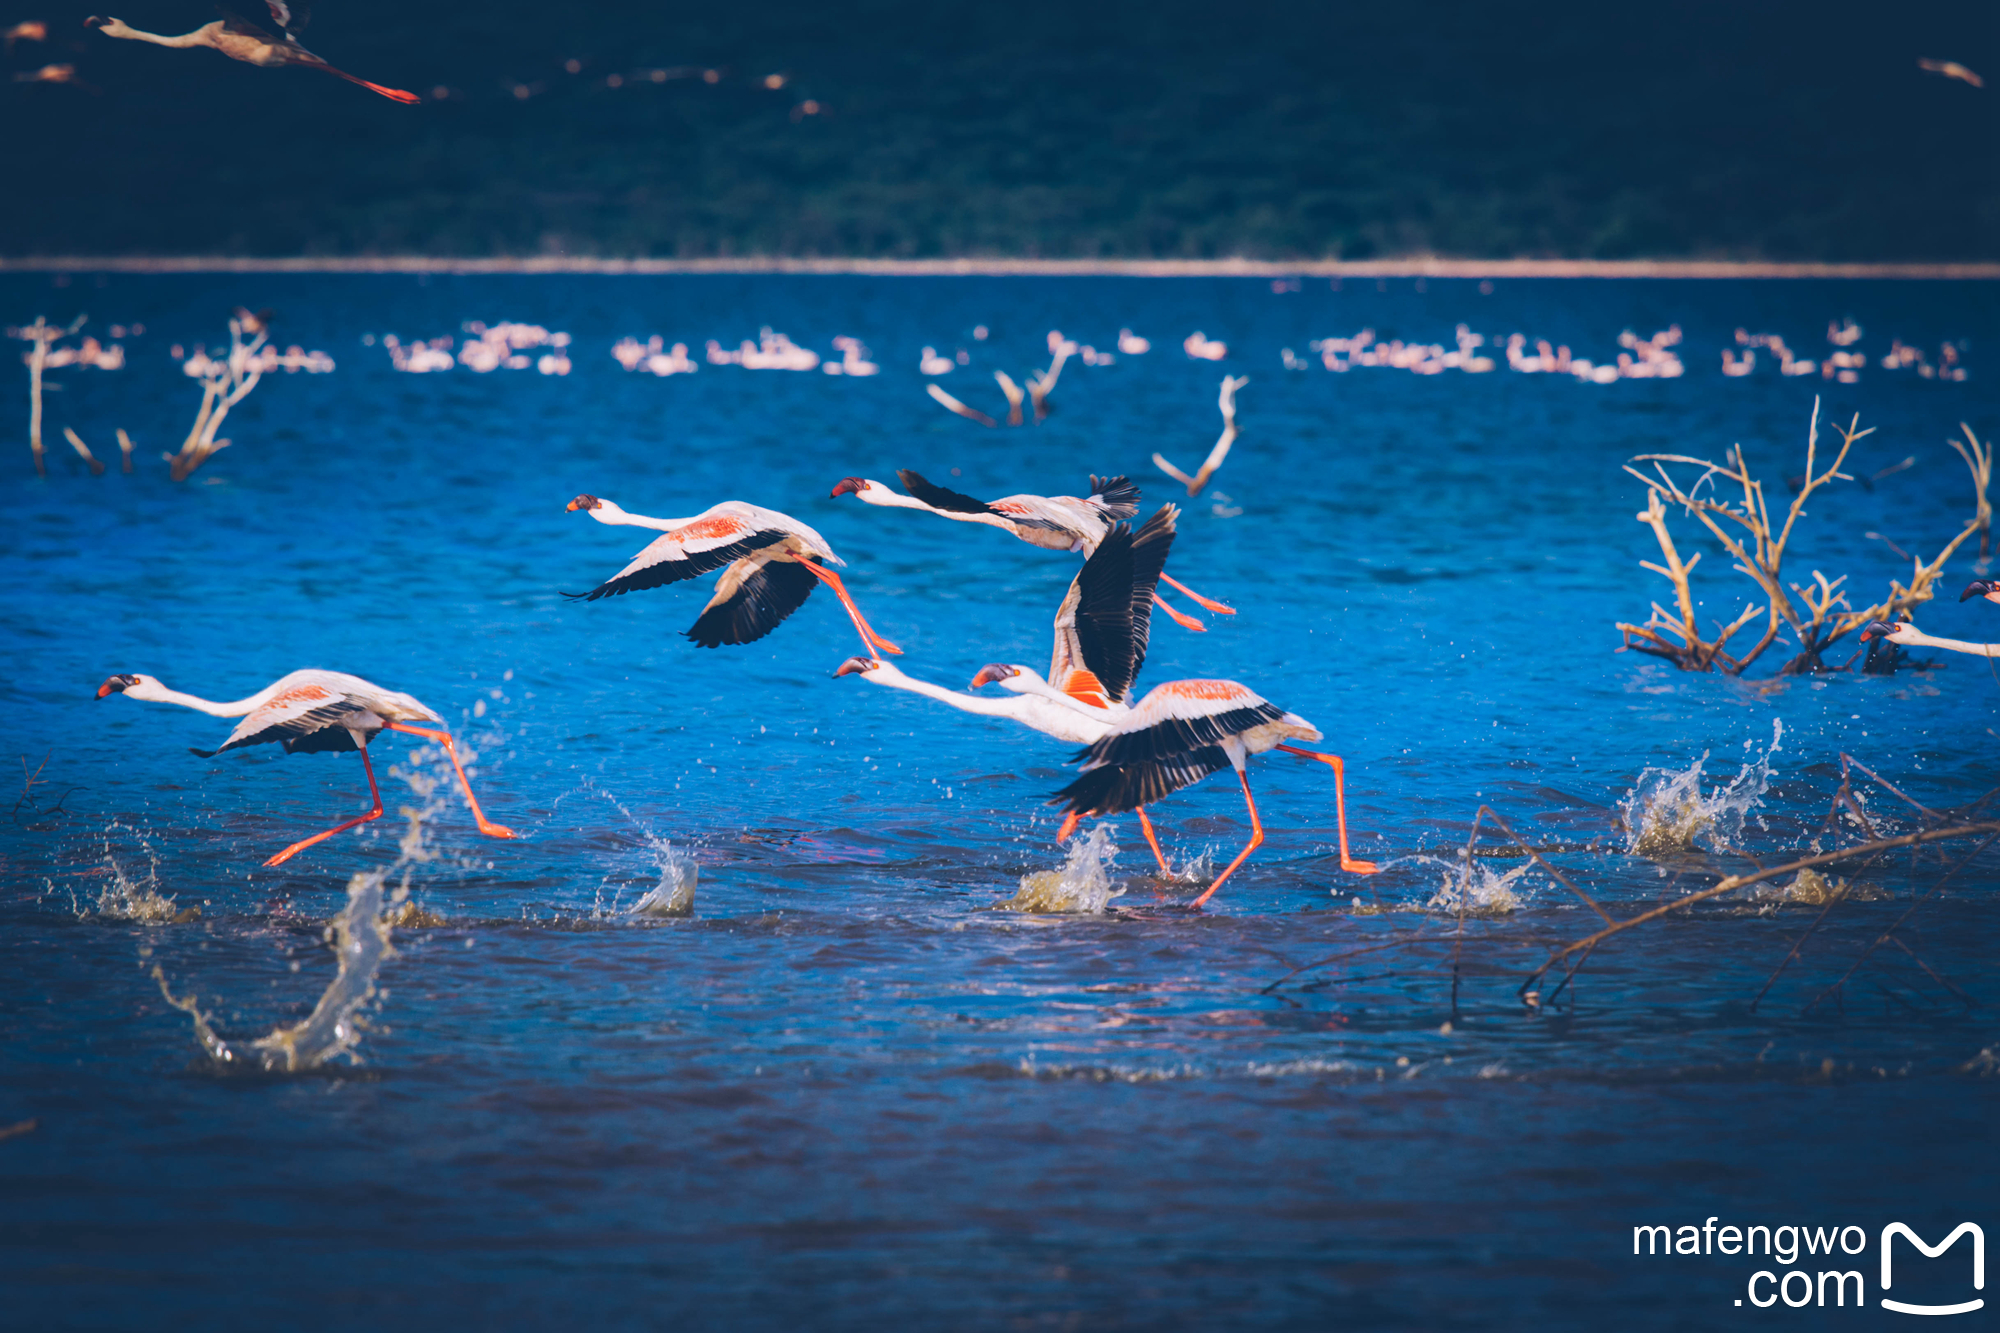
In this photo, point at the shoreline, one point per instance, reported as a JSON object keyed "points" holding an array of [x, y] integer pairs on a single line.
{"points": [[1128, 268]]}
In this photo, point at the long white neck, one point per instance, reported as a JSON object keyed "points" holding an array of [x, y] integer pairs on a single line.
{"points": [[202, 36], [1030, 711], [1918, 637], [875, 493], [607, 512], [160, 694]]}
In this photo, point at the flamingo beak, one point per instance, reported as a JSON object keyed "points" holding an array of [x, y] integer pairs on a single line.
{"points": [[1978, 588], [990, 674], [849, 486], [115, 685], [583, 502], [1876, 629], [854, 664]]}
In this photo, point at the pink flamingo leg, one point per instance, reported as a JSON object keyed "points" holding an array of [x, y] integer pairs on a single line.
{"points": [[869, 637], [1256, 841], [1152, 841], [1214, 606], [376, 813], [1347, 862], [486, 826], [1181, 618]]}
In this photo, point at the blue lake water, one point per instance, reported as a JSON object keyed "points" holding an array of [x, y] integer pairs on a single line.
{"points": [[846, 1092]]}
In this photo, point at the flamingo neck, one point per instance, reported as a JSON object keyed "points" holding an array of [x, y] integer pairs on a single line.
{"points": [[160, 694], [877, 494], [202, 36], [1917, 636], [1030, 711], [607, 512]]}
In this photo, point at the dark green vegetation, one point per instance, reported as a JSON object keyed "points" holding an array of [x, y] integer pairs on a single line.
{"points": [[1122, 129]]}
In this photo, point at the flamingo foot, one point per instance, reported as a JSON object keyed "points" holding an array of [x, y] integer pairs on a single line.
{"points": [[1207, 602], [1070, 821], [1180, 618]]}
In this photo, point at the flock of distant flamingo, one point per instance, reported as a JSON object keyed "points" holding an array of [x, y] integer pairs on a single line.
{"points": [[769, 564]]}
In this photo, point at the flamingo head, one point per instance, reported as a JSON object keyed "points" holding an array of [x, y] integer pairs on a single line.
{"points": [[124, 682], [995, 673], [1892, 630], [854, 664], [111, 27], [585, 502], [1987, 588], [855, 486]]}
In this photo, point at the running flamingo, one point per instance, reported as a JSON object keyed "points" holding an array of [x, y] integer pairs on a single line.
{"points": [[310, 712], [240, 39], [768, 563], [1053, 522]]}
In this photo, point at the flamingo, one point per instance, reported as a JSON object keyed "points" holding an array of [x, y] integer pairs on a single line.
{"points": [[1987, 588], [30, 30], [1132, 344], [930, 363], [1180, 733], [1907, 635], [1951, 69], [240, 39], [1053, 522], [53, 74], [768, 563], [309, 712], [1101, 633]]}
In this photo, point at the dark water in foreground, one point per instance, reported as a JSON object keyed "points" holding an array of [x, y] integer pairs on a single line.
{"points": [[845, 1092]]}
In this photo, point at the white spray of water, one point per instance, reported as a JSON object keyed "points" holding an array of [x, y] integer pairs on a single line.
{"points": [[673, 894], [1081, 884], [1669, 814], [130, 895], [1471, 887]]}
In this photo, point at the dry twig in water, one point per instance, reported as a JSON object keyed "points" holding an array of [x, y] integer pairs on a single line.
{"points": [[225, 384], [1227, 401], [40, 335]]}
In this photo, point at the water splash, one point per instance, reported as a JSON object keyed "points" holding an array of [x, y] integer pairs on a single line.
{"points": [[1473, 889], [360, 938], [1081, 884], [673, 894], [1811, 888], [1668, 814], [131, 896]]}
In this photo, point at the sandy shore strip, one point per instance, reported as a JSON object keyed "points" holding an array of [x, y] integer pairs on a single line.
{"points": [[1124, 268]]}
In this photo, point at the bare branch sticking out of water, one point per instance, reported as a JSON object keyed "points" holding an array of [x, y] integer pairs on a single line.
{"points": [[1818, 615], [224, 384], [1227, 402]]}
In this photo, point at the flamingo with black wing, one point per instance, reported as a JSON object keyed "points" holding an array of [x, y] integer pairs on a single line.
{"points": [[240, 39]]}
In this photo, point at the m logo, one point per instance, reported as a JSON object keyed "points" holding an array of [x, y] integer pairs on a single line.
{"points": [[1895, 1229]]}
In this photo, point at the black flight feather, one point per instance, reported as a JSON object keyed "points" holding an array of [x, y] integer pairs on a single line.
{"points": [[761, 603], [694, 565], [1121, 787]]}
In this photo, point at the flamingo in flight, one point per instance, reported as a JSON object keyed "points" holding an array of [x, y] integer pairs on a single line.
{"points": [[1987, 588], [240, 39], [1101, 633], [1053, 522], [770, 564], [310, 712], [1180, 733]]}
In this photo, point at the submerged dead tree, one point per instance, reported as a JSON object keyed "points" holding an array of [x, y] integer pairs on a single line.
{"points": [[225, 383], [1227, 402], [1729, 501], [40, 337]]}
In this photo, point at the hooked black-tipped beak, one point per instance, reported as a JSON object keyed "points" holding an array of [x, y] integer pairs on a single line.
{"points": [[1978, 588], [115, 685], [1876, 629], [854, 664], [95, 21], [849, 486], [996, 671], [584, 502]]}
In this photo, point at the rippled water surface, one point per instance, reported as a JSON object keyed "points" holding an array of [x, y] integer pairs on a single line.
{"points": [[842, 1090]]}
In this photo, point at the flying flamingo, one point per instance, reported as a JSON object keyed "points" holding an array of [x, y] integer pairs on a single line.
{"points": [[1987, 588], [1101, 634], [1907, 635], [309, 712], [240, 39], [764, 558], [1053, 522], [1176, 736]]}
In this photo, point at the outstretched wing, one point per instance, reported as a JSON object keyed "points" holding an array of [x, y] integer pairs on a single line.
{"points": [[1179, 717], [236, 23], [1106, 619], [1122, 787], [303, 718], [1117, 496], [752, 601], [290, 15], [937, 497], [705, 545]]}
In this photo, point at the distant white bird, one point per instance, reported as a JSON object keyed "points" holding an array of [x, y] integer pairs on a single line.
{"points": [[1132, 344], [1204, 349], [314, 711], [240, 39], [1907, 635], [769, 563], [930, 363], [1951, 69], [32, 30]]}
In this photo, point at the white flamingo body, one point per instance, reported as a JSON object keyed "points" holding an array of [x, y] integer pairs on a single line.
{"points": [[313, 711], [770, 564]]}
